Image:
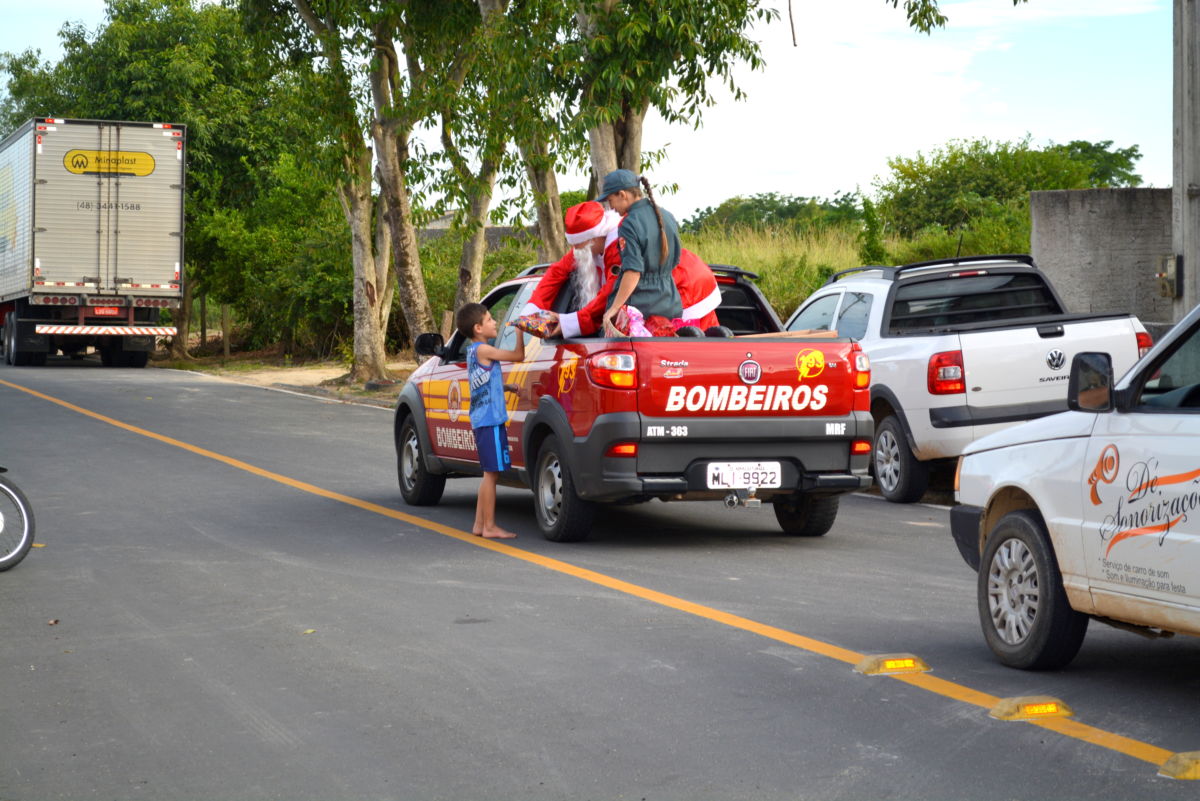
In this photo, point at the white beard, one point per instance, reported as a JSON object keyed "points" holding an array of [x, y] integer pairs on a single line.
{"points": [[586, 281]]}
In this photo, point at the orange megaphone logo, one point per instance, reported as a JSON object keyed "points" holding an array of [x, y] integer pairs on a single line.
{"points": [[1105, 470]]}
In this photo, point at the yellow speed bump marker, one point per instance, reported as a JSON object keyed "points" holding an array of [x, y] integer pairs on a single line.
{"points": [[1184, 765], [887, 664], [1031, 707]]}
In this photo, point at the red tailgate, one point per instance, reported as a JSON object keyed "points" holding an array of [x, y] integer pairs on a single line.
{"points": [[745, 377]]}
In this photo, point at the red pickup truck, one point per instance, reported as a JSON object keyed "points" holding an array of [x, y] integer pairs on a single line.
{"points": [[755, 414]]}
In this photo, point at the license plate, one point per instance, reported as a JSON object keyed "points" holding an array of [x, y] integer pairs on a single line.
{"points": [[744, 475], [105, 311]]}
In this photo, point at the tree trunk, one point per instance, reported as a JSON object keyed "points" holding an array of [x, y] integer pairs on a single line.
{"points": [[474, 249], [370, 360], [618, 145], [225, 329], [539, 168], [182, 315], [390, 135]]}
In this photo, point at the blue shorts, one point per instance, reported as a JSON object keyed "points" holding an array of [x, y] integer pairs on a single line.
{"points": [[492, 442]]}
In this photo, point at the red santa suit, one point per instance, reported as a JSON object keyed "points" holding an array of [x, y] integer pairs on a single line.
{"points": [[697, 289]]}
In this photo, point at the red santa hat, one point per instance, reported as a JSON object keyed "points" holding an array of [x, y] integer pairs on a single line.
{"points": [[588, 220]]}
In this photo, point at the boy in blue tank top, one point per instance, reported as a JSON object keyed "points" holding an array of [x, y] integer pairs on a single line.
{"points": [[489, 415]]}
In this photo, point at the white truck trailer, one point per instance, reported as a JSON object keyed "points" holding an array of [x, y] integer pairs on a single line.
{"points": [[91, 238]]}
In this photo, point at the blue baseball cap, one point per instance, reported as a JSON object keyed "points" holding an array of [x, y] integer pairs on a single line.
{"points": [[617, 180]]}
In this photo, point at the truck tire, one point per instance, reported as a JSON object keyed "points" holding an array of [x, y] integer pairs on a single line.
{"points": [[418, 486], [1027, 621], [561, 514], [805, 515], [135, 358], [901, 477]]}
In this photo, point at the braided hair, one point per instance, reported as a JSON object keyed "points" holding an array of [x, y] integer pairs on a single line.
{"points": [[662, 231]]}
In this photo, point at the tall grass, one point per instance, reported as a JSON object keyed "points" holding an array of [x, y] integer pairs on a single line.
{"points": [[790, 264]]}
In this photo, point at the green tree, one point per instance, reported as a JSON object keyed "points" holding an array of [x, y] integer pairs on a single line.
{"points": [[1109, 166], [773, 210], [970, 180], [166, 61]]}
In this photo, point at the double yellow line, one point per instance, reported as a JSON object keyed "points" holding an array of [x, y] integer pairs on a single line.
{"points": [[947, 689]]}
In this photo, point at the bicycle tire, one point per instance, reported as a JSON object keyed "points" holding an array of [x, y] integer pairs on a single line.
{"points": [[16, 525]]}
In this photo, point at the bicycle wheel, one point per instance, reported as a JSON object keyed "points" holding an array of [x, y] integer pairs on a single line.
{"points": [[16, 525]]}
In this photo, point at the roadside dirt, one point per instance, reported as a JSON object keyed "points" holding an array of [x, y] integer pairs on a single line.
{"points": [[325, 380]]}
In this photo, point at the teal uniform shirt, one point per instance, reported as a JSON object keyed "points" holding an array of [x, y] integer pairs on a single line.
{"points": [[641, 247]]}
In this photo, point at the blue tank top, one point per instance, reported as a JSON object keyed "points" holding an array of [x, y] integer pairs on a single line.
{"points": [[487, 391]]}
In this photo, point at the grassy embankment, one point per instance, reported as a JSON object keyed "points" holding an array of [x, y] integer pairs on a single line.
{"points": [[790, 265]]}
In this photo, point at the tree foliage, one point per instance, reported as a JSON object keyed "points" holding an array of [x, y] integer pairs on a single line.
{"points": [[971, 179], [773, 210]]}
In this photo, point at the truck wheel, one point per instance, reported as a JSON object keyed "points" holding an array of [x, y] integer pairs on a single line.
{"points": [[1027, 621], [902, 478], [135, 358], [418, 486], [561, 514], [805, 515]]}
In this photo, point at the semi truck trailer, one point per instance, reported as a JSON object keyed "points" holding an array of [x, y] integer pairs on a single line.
{"points": [[91, 238]]}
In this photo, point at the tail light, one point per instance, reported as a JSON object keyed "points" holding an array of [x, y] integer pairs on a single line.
{"points": [[862, 367], [622, 449], [860, 446], [616, 370], [946, 375], [1145, 342]]}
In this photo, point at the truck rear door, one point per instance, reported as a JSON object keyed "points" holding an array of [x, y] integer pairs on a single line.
{"points": [[744, 377], [109, 207], [1019, 370]]}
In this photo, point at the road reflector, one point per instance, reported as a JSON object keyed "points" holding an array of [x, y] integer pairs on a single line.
{"points": [[1031, 707], [1184, 765], [887, 664]]}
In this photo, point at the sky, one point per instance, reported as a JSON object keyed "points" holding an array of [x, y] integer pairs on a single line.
{"points": [[860, 87]]}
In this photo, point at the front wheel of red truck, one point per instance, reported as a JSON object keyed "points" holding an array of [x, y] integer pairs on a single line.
{"points": [[418, 486], [805, 515], [561, 514]]}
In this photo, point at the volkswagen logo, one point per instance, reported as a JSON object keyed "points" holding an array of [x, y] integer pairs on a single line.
{"points": [[1056, 359]]}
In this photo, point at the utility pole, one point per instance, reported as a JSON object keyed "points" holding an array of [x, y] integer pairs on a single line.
{"points": [[1185, 199]]}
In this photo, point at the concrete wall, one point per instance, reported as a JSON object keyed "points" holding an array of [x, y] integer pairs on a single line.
{"points": [[1101, 249]]}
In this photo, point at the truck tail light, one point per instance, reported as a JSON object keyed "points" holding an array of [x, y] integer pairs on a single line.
{"points": [[862, 367], [1145, 342], [946, 376], [622, 449], [860, 446], [616, 370]]}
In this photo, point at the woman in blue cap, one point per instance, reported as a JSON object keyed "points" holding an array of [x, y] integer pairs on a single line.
{"points": [[649, 243]]}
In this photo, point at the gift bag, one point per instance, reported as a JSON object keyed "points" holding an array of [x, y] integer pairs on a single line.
{"points": [[537, 323]]}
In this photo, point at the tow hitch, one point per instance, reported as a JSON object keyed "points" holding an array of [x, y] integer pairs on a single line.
{"points": [[743, 497]]}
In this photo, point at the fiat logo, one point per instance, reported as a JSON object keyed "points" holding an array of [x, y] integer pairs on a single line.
{"points": [[750, 371], [1056, 359]]}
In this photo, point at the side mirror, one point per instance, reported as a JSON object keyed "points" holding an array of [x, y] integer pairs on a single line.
{"points": [[1090, 388], [429, 345]]}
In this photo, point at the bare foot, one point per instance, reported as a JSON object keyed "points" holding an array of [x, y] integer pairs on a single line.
{"points": [[497, 533]]}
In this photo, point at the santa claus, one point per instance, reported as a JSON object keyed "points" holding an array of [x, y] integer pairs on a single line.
{"points": [[592, 231], [592, 234]]}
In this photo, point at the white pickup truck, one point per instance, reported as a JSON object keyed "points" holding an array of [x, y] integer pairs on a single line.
{"points": [[959, 348], [1093, 513]]}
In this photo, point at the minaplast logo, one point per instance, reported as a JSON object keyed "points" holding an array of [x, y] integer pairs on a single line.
{"points": [[109, 162]]}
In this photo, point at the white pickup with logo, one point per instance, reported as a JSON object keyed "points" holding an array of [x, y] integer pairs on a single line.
{"points": [[744, 475]]}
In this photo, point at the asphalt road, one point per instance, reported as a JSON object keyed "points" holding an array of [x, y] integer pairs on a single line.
{"points": [[246, 609]]}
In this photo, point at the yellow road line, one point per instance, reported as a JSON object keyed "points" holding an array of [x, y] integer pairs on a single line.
{"points": [[947, 689]]}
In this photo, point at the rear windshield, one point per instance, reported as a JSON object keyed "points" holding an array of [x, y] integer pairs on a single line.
{"points": [[970, 299]]}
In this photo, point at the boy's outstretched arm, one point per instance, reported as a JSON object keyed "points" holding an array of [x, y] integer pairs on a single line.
{"points": [[491, 353]]}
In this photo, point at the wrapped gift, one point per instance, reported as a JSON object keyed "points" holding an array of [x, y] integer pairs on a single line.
{"points": [[537, 323]]}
